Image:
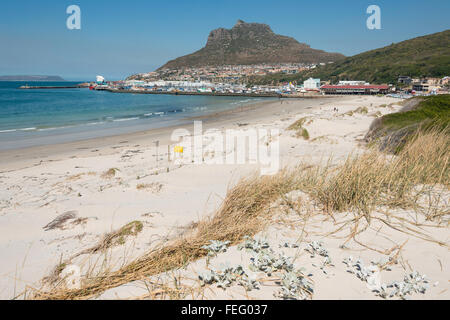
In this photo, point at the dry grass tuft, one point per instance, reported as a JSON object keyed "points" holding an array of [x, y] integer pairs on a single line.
{"points": [[374, 179], [109, 241], [60, 221], [361, 184], [362, 110], [154, 187], [376, 114], [298, 127], [111, 173], [77, 177], [298, 124], [117, 237], [245, 212], [303, 133], [426, 157]]}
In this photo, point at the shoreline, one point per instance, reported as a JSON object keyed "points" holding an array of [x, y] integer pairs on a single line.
{"points": [[36, 155]]}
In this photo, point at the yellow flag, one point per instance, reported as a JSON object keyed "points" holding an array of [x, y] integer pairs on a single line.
{"points": [[178, 149]]}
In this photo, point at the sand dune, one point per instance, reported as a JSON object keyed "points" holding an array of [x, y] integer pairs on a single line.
{"points": [[58, 202]]}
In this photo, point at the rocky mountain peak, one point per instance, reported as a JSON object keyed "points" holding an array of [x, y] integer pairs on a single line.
{"points": [[250, 43]]}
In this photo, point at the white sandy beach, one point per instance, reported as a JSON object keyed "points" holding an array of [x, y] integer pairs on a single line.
{"points": [[40, 184]]}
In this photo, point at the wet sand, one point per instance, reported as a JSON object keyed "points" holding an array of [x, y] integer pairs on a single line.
{"points": [[32, 156]]}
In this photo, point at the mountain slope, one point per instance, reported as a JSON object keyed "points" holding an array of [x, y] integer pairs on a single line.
{"points": [[250, 43], [423, 56]]}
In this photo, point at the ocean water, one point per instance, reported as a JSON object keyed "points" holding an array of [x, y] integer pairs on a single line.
{"points": [[39, 117]]}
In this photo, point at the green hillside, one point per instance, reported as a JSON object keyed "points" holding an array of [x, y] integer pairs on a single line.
{"points": [[425, 113], [423, 56]]}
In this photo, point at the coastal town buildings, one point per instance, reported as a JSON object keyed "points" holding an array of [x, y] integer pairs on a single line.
{"points": [[232, 80], [237, 74], [430, 85]]}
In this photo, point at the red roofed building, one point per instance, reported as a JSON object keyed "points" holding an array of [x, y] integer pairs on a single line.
{"points": [[360, 89]]}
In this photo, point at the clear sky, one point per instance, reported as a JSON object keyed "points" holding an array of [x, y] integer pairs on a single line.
{"points": [[119, 38]]}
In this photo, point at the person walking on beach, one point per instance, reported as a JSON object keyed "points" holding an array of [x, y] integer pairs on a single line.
{"points": [[280, 98]]}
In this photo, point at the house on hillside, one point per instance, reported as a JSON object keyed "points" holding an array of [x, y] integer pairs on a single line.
{"points": [[405, 80], [445, 81]]}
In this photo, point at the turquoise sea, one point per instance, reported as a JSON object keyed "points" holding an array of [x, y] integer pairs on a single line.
{"points": [[39, 117]]}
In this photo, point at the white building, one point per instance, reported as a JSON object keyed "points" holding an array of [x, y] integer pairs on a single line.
{"points": [[100, 79], [352, 83], [312, 84]]}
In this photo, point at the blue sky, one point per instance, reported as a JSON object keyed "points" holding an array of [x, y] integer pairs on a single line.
{"points": [[119, 38]]}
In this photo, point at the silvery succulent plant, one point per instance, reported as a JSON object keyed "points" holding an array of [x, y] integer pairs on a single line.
{"points": [[249, 282], [227, 276], [316, 247], [412, 283], [295, 286], [254, 245], [215, 247], [266, 261], [208, 277], [289, 245]]}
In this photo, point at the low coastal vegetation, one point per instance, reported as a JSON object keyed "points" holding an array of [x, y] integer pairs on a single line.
{"points": [[360, 110], [300, 130], [430, 111], [360, 185], [366, 182], [109, 240], [111, 173], [238, 217], [154, 187], [118, 237], [422, 114]]}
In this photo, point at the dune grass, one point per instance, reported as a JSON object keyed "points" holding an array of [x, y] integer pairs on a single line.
{"points": [[244, 212], [361, 184], [300, 130], [365, 182], [118, 237], [111, 173], [154, 187], [297, 125]]}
